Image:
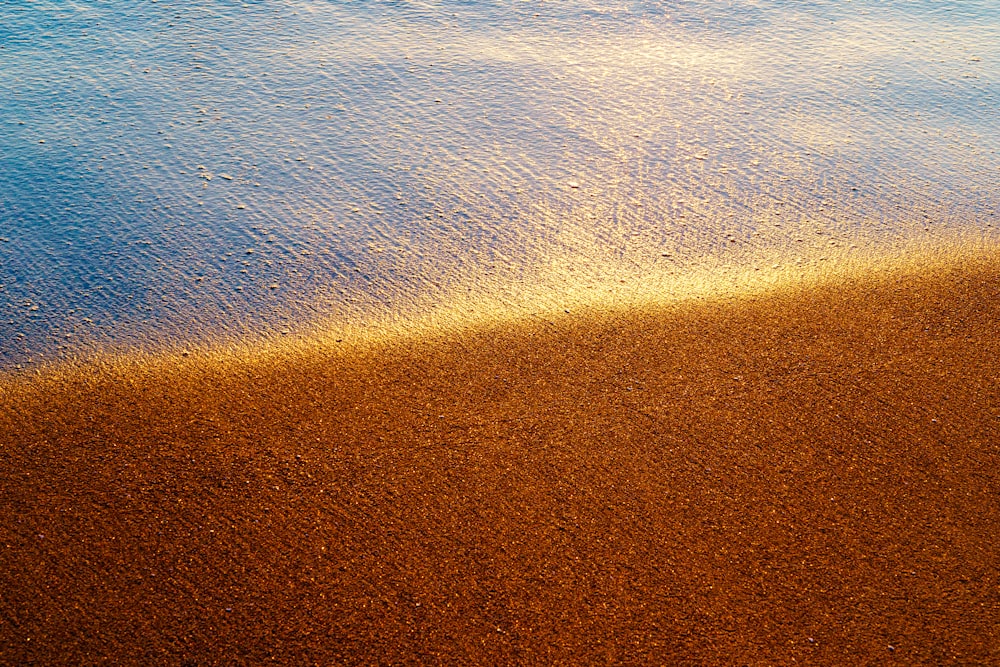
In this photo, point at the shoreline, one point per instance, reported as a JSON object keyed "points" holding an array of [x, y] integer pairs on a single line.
{"points": [[805, 474], [477, 309]]}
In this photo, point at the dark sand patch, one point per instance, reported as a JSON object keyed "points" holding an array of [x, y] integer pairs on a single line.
{"points": [[811, 476]]}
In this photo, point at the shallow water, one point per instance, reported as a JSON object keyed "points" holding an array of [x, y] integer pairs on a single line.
{"points": [[177, 171]]}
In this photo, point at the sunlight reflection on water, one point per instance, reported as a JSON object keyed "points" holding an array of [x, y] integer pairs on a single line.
{"points": [[184, 170]]}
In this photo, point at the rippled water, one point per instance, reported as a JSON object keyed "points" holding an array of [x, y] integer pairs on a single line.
{"points": [[189, 170]]}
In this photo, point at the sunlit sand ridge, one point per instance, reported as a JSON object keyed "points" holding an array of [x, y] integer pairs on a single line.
{"points": [[575, 273], [801, 472]]}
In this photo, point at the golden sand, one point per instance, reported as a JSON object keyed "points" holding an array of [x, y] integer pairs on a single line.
{"points": [[804, 474]]}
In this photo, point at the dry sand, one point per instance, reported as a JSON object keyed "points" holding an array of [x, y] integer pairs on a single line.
{"points": [[808, 476]]}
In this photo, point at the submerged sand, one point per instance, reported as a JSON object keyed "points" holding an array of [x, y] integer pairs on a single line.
{"points": [[809, 475]]}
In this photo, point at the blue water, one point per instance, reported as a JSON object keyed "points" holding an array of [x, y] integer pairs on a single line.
{"points": [[189, 170]]}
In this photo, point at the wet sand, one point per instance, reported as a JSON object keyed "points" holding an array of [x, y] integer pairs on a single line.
{"points": [[807, 476]]}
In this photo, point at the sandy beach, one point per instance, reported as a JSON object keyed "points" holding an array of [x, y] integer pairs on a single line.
{"points": [[810, 475]]}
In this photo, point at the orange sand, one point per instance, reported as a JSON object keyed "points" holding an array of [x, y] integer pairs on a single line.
{"points": [[810, 476]]}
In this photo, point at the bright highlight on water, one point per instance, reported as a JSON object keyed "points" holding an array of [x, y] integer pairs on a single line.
{"points": [[187, 171]]}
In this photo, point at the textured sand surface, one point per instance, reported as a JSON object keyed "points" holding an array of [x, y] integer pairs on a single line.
{"points": [[809, 476]]}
